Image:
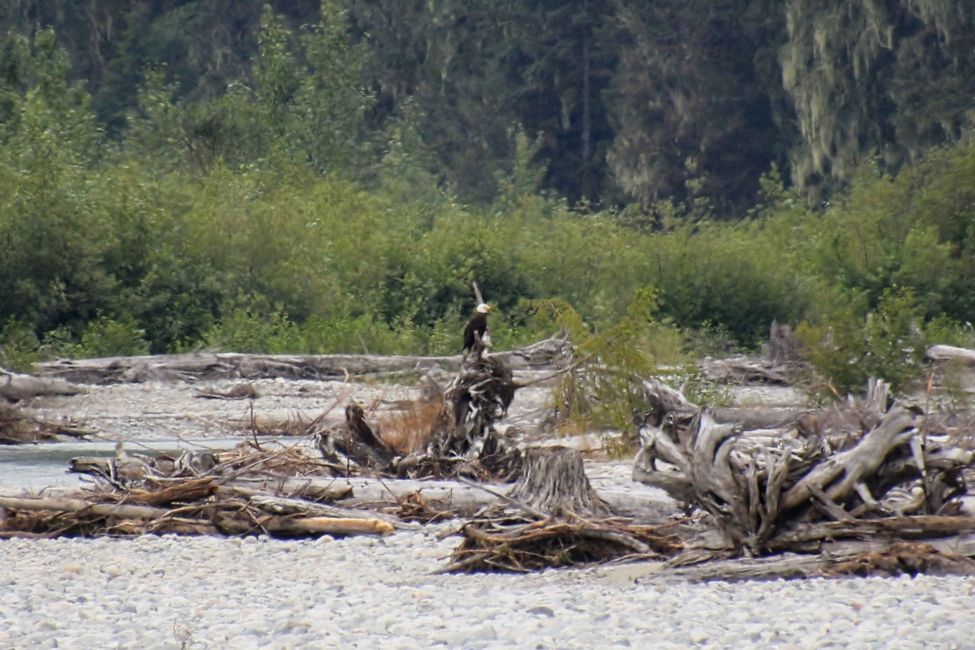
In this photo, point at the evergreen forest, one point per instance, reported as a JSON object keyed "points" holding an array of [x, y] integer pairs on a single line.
{"points": [[331, 176]]}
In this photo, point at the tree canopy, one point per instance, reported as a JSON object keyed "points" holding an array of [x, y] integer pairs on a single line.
{"points": [[325, 176], [627, 101]]}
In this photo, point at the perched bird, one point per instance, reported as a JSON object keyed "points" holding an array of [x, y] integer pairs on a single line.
{"points": [[475, 334]]}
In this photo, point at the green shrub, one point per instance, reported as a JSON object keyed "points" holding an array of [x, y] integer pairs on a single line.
{"points": [[19, 347], [887, 343], [105, 337], [244, 330], [603, 393]]}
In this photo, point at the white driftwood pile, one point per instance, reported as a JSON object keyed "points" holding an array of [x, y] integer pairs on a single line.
{"points": [[236, 492], [829, 475]]}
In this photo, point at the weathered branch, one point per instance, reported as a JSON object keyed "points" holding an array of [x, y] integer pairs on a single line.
{"points": [[842, 465]]}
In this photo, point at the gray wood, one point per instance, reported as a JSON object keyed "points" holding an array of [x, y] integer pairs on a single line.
{"points": [[15, 387], [768, 489], [196, 366]]}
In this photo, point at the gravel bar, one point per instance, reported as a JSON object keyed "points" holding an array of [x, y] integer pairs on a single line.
{"points": [[364, 592]]}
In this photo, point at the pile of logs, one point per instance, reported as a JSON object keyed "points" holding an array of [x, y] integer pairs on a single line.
{"points": [[552, 518], [16, 425], [866, 485], [849, 471], [243, 491]]}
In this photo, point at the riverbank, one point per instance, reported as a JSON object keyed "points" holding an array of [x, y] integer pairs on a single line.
{"points": [[169, 592]]}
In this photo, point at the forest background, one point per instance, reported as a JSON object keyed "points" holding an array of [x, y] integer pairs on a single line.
{"points": [[668, 176]]}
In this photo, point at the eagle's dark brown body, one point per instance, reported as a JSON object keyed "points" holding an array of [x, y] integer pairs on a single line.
{"points": [[475, 330]]}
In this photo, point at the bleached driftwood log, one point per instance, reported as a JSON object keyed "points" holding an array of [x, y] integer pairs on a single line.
{"points": [[209, 366], [779, 362], [744, 370], [951, 353], [760, 486], [15, 386]]}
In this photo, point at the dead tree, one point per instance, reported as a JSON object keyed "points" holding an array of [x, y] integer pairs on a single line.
{"points": [[866, 459]]}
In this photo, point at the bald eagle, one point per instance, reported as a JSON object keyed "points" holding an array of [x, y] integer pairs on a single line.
{"points": [[475, 334]]}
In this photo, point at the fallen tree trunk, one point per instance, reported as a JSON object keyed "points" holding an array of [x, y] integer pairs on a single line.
{"points": [[122, 510], [951, 353], [329, 526], [198, 366], [15, 387], [444, 497]]}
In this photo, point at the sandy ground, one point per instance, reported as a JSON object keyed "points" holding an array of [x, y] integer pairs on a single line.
{"points": [[161, 410]]}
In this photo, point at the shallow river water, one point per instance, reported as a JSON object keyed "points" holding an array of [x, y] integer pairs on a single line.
{"points": [[34, 467]]}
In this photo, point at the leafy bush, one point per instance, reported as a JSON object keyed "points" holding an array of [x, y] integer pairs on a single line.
{"points": [[106, 337], [602, 393], [887, 342], [19, 346]]}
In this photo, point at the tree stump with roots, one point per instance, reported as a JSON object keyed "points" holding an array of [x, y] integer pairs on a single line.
{"points": [[552, 517], [770, 490]]}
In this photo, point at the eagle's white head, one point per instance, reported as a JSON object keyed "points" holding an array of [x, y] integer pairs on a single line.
{"points": [[484, 308]]}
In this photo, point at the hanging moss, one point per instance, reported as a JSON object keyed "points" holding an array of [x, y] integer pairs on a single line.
{"points": [[868, 80]]}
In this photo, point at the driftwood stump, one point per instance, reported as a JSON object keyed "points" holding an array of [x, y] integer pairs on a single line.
{"points": [[554, 483], [478, 396], [551, 518], [355, 442]]}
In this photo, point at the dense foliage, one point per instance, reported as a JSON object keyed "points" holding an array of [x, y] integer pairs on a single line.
{"points": [[686, 101], [285, 202]]}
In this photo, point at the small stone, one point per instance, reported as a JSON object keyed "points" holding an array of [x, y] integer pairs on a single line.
{"points": [[542, 610], [697, 635], [113, 571]]}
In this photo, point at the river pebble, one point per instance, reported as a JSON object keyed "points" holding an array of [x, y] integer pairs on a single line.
{"points": [[172, 592]]}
